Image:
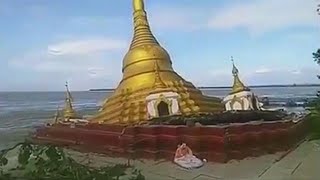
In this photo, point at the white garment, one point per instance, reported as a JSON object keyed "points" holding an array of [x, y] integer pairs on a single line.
{"points": [[189, 162]]}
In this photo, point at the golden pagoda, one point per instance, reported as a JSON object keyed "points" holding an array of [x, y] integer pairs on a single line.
{"points": [[150, 87], [240, 97], [238, 86], [68, 111]]}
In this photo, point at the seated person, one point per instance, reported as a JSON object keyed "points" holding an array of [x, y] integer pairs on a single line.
{"points": [[185, 158]]}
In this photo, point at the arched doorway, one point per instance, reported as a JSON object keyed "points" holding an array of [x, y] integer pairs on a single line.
{"points": [[163, 109]]}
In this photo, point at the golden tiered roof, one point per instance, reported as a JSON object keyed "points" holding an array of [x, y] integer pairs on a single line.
{"points": [[147, 69], [68, 111], [238, 86]]}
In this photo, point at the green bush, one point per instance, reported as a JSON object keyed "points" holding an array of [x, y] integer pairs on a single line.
{"points": [[51, 163], [314, 118], [314, 107]]}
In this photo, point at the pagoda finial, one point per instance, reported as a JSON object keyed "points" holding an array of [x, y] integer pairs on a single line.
{"points": [[68, 94], [235, 70], [138, 5], [238, 86], [142, 32]]}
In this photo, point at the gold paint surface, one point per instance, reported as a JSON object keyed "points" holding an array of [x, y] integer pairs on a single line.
{"points": [[68, 111], [147, 69], [238, 86], [138, 5]]}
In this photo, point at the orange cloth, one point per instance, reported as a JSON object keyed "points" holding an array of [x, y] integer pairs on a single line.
{"points": [[185, 158], [182, 151]]}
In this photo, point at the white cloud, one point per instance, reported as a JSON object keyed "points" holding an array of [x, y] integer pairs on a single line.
{"points": [[85, 46], [87, 61], [97, 71], [255, 16], [86, 65], [296, 71], [261, 16], [284, 76], [263, 70], [100, 72]]}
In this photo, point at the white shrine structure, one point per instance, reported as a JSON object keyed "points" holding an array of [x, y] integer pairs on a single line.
{"points": [[240, 98]]}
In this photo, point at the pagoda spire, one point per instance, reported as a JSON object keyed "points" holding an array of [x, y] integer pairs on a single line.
{"points": [[68, 95], [147, 69], [238, 86], [138, 5], [143, 52], [69, 112], [142, 32]]}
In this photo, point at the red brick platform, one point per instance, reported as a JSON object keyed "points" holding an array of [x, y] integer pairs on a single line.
{"points": [[214, 143]]}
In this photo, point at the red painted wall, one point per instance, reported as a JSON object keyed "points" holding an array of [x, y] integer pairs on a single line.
{"points": [[214, 143]]}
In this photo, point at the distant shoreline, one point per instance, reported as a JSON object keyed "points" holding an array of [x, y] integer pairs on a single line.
{"points": [[228, 87]]}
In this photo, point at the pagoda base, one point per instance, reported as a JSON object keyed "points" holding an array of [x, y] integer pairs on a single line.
{"points": [[219, 143]]}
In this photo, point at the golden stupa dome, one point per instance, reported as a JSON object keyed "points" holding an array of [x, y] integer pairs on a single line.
{"points": [[143, 53]]}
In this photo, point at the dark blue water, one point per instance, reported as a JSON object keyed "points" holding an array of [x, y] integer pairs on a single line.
{"points": [[21, 111]]}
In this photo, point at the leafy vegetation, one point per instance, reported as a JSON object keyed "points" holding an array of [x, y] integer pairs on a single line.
{"points": [[316, 56], [314, 119], [51, 163], [314, 107]]}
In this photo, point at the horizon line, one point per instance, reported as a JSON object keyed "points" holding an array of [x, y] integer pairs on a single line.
{"points": [[228, 87], [199, 87]]}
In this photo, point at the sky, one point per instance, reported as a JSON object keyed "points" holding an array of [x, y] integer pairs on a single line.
{"points": [[44, 43]]}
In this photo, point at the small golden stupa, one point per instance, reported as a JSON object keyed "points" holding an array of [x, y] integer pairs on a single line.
{"points": [[238, 86], [240, 98], [68, 111], [150, 87]]}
